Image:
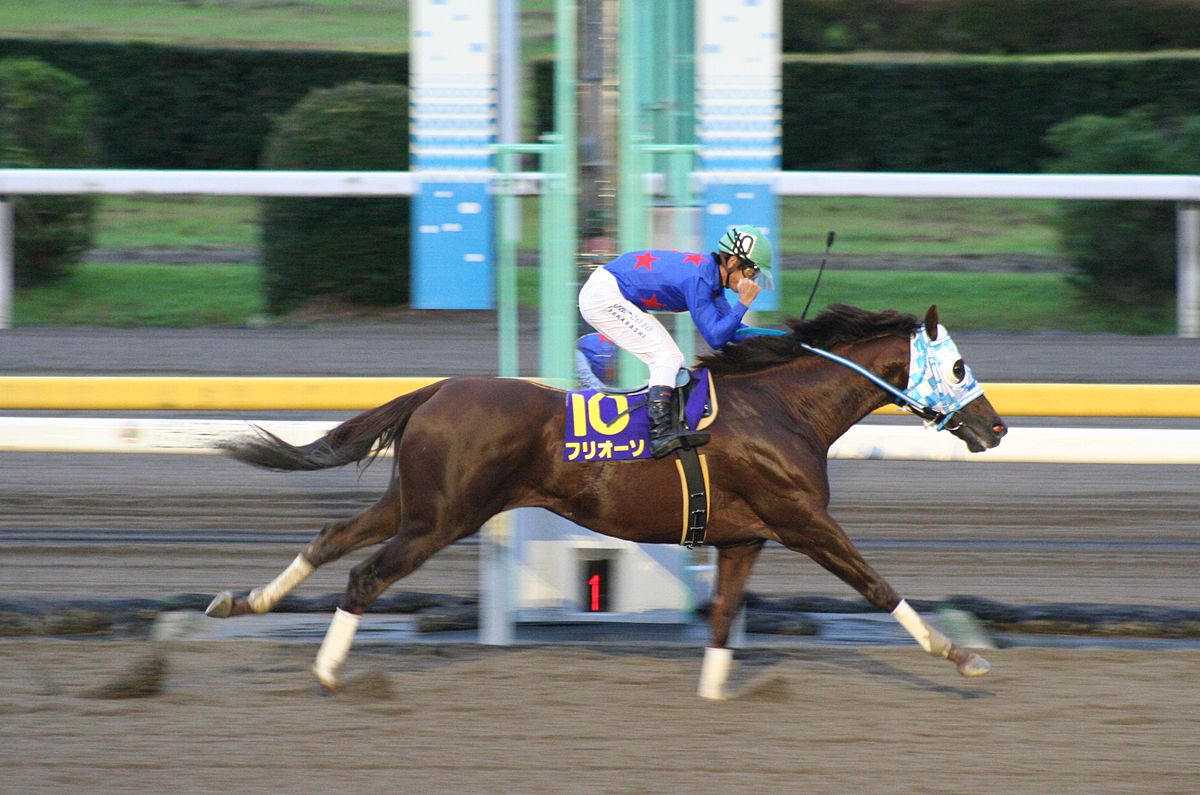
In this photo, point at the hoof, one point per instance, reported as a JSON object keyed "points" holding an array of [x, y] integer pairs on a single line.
{"points": [[326, 679], [221, 606], [974, 665]]}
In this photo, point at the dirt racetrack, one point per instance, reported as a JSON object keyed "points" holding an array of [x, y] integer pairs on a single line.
{"points": [[244, 716]]}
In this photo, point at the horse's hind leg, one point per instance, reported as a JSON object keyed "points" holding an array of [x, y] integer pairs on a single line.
{"points": [[825, 542], [375, 524], [401, 556], [733, 568]]}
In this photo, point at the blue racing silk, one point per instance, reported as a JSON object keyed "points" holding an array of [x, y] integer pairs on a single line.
{"points": [[678, 281], [599, 359]]}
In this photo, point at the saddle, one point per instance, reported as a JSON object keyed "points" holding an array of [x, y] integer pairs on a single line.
{"points": [[612, 425]]}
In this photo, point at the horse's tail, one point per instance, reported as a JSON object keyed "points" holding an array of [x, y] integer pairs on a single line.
{"points": [[367, 434]]}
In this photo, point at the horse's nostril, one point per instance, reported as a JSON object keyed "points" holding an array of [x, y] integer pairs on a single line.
{"points": [[999, 429]]}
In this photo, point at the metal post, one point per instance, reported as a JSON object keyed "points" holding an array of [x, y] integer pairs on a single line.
{"points": [[508, 208], [7, 271], [1187, 286], [509, 87], [495, 582], [507, 299]]}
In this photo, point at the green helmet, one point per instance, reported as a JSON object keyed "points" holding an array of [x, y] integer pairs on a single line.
{"points": [[749, 243]]}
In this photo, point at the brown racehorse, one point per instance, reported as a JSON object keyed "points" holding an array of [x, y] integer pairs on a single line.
{"points": [[468, 448]]}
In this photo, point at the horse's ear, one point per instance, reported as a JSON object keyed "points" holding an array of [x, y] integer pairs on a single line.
{"points": [[931, 323]]}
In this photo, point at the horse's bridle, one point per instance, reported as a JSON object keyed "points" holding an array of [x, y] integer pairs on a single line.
{"points": [[942, 405]]}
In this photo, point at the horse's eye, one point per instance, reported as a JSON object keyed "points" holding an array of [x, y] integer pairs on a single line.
{"points": [[959, 370]]}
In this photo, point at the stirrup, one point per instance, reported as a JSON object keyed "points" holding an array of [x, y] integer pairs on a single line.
{"points": [[660, 448]]}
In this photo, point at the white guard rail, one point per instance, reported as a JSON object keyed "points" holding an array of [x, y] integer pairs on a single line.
{"points": [[867, 441]]}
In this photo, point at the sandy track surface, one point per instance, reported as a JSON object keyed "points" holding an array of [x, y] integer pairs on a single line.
{"points": [[244, 717]]}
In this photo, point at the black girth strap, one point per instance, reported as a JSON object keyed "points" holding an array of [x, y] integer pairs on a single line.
{"points": [[693, 479]]}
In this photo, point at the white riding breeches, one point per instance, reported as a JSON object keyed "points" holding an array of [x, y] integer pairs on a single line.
{"points": [[616, 317]]}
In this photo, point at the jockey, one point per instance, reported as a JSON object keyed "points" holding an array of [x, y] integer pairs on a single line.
{"points": [[595, 361], [616, 296]]}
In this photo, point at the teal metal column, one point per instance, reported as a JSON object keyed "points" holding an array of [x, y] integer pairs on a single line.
{"points": [[632, 226], [680, 162], [559, 285]]}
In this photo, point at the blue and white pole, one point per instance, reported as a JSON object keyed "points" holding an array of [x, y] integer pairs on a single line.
{"points": [[739, 117], [453, 118]]}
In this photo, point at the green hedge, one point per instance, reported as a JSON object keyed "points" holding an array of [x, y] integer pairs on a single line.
{"points": [[963, 114], [991, 26], [954, 113], [46, 117], [353, 248], [181, 107], [1124, 252]]}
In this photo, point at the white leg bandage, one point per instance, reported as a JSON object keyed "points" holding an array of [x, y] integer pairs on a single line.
{"points": [[335, 647], [263, 599], [714, 672], [931, 640]]}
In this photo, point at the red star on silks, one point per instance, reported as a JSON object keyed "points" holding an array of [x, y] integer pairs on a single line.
{"points": [[651, 303], [644, 260], [696, 259]]}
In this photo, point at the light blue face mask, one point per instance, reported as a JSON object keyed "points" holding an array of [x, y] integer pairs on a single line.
{"points": [[938, 378]]}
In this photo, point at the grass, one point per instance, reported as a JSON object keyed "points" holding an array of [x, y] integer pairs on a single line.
{"points": [[145, 295], [176, 221], [353, 25], [918, 227], [974, 301], [362, 25]]}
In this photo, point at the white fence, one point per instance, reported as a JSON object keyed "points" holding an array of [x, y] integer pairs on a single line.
{"points": [[1183, 189]]}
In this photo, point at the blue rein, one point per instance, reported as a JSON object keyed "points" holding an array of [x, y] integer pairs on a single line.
{"points": [[901, 399]]}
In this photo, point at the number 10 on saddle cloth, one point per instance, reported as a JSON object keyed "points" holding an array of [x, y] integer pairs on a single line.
{"points": [[613, 427]]}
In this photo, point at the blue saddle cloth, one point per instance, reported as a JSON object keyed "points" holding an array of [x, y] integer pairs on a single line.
{"points": [[602, 426]]}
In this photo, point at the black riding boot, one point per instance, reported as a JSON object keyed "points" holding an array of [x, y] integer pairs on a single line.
{"points": [[664, 437]]}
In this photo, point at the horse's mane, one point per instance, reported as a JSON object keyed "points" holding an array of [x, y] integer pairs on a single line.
{"points": [[836, 325]]}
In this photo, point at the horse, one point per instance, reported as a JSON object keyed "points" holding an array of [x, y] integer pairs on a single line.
{"points": [[468, 448]]}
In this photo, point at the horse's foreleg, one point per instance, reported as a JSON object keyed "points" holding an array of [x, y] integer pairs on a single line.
{"points": [[336, 539], [733, 568], [825, 542]]}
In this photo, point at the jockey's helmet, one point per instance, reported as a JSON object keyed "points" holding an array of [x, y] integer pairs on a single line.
{"points": [[748, 243]]}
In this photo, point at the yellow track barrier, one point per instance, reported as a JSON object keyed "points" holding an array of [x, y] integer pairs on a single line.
{"points": [[202, 394], [1091, 400], [356, 394]]}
